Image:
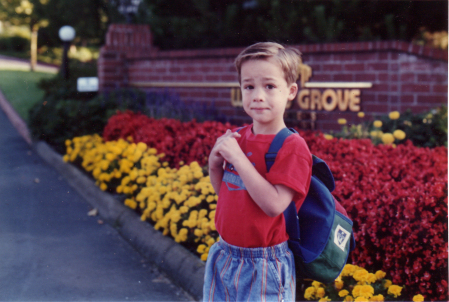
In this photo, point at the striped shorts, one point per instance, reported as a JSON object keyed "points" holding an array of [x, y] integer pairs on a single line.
{"points": [[249, 274]]}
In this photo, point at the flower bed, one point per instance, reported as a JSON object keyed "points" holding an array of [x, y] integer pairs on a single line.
{"points": [[397, 197]]}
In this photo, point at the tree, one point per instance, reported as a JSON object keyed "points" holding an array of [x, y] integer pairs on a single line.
{"points": [[225, 23]]}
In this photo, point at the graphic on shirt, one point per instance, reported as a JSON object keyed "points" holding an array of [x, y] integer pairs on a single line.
{"points": [[233, 181], [341, 236]]}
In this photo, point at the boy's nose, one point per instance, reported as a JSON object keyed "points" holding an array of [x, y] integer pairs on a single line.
{"points": [[258, 95]]}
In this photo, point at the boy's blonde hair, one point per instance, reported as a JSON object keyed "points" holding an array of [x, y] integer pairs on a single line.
{"points": [[289, 59]]}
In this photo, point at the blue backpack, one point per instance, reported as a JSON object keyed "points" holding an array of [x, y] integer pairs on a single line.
{"points": [[320, 233]]}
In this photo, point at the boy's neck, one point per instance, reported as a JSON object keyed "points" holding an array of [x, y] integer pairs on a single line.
{"points": [[267, 129]]}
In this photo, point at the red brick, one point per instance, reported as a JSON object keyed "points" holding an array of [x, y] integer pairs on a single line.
{"points": [[408, 77], [432, 99], [415, 88], [228, 78], [432, 78], [343, 77], [365, 77], [365, 57], [383, 77], [189, 69], [354, 67], [375, 108], [320, 77], [344, 57], [211, 78], [182, 77], [377, 66], [419, 108], [439, 88], [196, 78], [408, 99], [381, 87]]}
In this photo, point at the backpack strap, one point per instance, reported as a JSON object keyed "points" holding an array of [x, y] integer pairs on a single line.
{"points": [[290, 213]]}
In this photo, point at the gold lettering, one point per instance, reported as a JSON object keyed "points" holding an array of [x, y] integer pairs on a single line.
{"points": [[329, 93], [304, 99], [315, 99], [343, 103], [354, 102], [236, 97]]}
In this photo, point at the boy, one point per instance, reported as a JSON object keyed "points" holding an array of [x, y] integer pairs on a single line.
{"points": [[252, 261]]}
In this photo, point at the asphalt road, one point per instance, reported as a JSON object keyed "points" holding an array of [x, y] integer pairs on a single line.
{"points": [[51, 250]]}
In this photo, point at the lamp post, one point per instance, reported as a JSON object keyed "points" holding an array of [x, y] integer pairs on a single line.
{"points": [[66, 34]]}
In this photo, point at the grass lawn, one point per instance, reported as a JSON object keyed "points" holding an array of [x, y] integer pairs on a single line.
{"points": [[20, 89]]}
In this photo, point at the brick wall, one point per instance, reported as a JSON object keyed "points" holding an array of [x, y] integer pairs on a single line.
{"points": [[403, 75]]}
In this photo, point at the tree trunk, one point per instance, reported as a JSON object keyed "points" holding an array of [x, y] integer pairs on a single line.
{"points": [[33, 60]]}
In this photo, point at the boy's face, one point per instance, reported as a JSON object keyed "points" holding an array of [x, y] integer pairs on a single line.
{"points": [[265, 94]]}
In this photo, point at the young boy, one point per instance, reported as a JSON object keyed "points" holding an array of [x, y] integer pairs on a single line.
{"points": [[252, 261]]}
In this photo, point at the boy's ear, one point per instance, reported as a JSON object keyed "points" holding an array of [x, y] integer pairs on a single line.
{"points": [[293, 91]]}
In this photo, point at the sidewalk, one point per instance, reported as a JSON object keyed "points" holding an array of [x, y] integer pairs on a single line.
{"points": [[52, 250]]}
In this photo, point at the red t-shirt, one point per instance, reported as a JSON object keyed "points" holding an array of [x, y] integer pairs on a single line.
{"points": [[239, 220]]}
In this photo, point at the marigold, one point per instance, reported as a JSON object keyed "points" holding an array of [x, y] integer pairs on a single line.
{"points": [[348, 299], [394, 115], [378, 298], [387, 283], [310, 293], [324, 299], [342, 121], [320, 292], [361, 275], [361, 299], [377, 124], [339, 284], [328, 136], [418, 298], [399, 134], [380, 274], [343, 293], [387, 138], [367, 291], [394, 290], [361, 114]]}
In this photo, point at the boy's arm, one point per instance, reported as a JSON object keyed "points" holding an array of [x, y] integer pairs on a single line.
{"points": [[272, 199]]}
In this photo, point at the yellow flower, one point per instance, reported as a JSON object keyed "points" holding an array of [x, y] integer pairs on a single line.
{"points": [[371, 278], [342, 121], [387, 138], [325, 299], [367, 291], [328, 136], [204, 257], [394, 290], [418, 298], [394, 115], [316, 284], [348, 299], [343, 293], [339, 284], [378, 298], [361, 114], [361, 275], [356, 291], [348, 270], [320, 292], [310, 293], [399, 134], [380, 274], [201, 248], [103, 186], [377, 124], [361, 299]]}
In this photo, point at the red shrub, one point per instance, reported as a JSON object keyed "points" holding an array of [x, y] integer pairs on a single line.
{"points": [[397, 197]]}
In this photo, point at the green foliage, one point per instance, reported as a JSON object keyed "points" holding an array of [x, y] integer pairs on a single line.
{"points": [[428, 129], [16, 44], [207, 23]]}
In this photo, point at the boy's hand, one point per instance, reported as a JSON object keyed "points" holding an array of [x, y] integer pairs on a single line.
{"points": [[225, 149]]}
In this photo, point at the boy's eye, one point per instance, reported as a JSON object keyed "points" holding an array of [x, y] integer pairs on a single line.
{"points": [[269, 86], [249, 87]]}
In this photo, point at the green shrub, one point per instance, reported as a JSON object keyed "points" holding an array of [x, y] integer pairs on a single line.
{"points": [[427, 129], [14, 43]]}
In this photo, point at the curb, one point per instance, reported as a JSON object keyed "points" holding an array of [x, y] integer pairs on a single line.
{"points": [[165, 253], [180, 265]]}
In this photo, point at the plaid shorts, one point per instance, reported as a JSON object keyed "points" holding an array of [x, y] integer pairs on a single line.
{"points": [[249, 274]]}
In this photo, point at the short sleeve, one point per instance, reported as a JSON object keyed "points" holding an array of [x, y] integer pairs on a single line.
{"points": [[293, 167]]}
